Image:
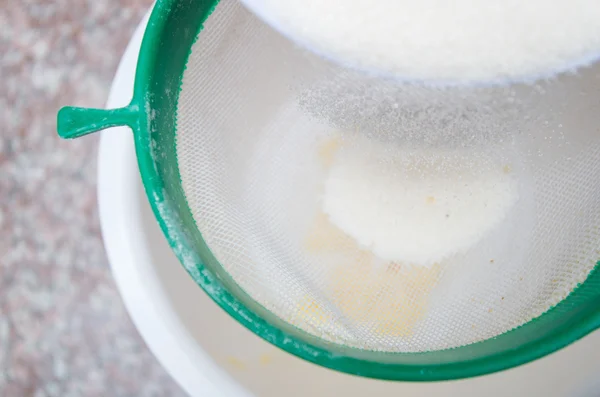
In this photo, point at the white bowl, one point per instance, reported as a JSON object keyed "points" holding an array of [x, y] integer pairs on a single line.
{"points": [[209, 354]]}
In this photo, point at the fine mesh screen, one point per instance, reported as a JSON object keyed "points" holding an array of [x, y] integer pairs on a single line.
{"points": [[268, 135]]}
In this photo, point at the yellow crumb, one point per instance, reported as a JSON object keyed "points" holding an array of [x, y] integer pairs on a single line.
{"points": [[430, 200], [265, 359], [236, 363], [311, 312], [326, 151], [507, 169]]}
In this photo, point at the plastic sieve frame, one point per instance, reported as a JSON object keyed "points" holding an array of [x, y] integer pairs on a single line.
{"points": [[171, 32]]}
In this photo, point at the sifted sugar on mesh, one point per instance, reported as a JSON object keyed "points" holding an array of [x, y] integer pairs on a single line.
{"points": [[456, 41], [416, 206]]}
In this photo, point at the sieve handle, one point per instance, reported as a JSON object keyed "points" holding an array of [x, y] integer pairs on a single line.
{"points": [[73, 122]]}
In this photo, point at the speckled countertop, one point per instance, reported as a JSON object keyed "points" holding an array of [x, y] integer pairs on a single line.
{"points": [[63, 328]]}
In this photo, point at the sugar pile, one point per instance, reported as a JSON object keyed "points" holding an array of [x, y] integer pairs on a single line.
{"points": [[416, 206], [444, 41]]}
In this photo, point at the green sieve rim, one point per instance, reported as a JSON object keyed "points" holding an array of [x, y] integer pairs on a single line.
{"points": [[574, 317]]}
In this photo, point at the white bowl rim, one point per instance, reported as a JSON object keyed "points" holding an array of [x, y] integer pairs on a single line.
{"points": [[142, 293]]}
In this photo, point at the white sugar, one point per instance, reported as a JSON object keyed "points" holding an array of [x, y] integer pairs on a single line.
{"points": [[444, 41], [416, 206]]}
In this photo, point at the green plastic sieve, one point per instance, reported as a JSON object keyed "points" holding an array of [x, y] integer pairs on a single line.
{"points": [[236, 132]]}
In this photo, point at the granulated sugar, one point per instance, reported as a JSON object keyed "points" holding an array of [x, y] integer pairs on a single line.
{"points": [[416, 206], [444, 41]]}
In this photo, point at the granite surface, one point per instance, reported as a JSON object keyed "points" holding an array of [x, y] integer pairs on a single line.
{"points": [[63, 328]]}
